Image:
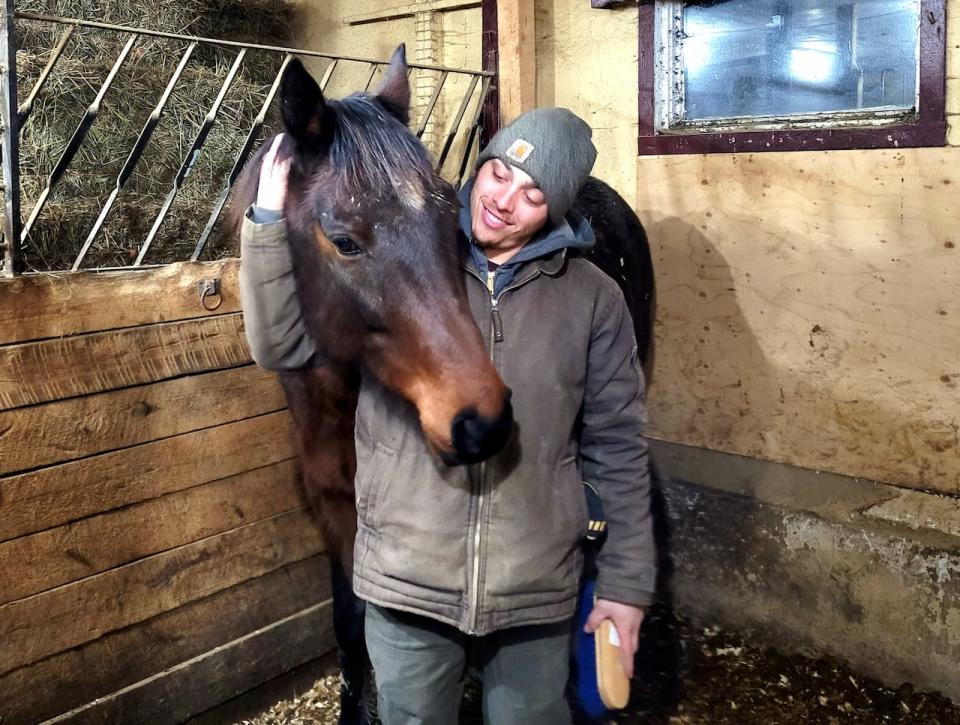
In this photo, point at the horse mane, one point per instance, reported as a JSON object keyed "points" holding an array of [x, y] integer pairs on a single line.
{"points": [[371, 151]]}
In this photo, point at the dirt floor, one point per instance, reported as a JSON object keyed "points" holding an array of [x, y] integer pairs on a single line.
{"points": [[690, 675]]}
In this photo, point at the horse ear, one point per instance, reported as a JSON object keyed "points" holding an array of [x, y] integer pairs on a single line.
{"points": [[394, 92], [305, 113]]}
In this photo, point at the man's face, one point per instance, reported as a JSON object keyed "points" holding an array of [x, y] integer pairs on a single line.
{"points": [[506, 207]]}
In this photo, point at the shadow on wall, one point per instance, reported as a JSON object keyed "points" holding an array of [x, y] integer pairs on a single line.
{"points": [[813, 395], [686, 265]]}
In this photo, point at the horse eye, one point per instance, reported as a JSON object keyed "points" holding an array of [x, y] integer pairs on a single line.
{"points": [[346, 246]]}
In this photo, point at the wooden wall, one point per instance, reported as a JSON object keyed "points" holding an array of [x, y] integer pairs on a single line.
{"points": [[155, 556], [807, 308]]}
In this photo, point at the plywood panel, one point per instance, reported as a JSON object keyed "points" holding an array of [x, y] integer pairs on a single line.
{"points": [[189, 689], [71, 429], [55, 305], [70, 679], [67, 553], [51, 496], [808, 308], [68, 616], [68, 367]]}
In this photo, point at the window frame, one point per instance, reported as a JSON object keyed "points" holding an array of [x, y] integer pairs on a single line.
{"points": [[928, 129]]}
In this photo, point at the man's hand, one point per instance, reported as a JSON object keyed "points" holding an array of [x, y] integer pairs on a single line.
{"points": [[272, 189], [627, 620]]}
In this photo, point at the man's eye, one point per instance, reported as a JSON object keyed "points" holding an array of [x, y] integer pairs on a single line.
{"points": [[346, 246]]}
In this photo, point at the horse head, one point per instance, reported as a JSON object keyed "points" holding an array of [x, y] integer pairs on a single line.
{"points": [[373, 234]]}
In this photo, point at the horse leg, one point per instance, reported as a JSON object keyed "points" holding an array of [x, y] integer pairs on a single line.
{"points": [[322, 403], [348, 615]]}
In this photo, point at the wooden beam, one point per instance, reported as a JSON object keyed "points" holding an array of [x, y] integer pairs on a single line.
{"points": [[52, 496], [197, 685], [71, 615], [516, 42], [39, 372], [409, 10], [70, 679], [67, 430], [39, 306], [98, 543]]}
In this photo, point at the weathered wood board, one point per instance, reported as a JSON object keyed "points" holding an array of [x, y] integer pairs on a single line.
{"points": [[66, 430], [808, 308], [57, 494], [40, 306], [117, 660]]}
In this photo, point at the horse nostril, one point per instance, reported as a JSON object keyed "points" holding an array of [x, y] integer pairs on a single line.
{"points": [[476, 438]]}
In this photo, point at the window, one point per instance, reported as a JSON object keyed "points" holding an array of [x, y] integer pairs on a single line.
{"points": [[758, 75]]}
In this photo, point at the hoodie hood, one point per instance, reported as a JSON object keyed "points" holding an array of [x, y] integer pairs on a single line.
{"points": [[573, 232]]}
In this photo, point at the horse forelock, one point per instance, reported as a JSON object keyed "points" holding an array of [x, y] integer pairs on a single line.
{"points": [[373, 153]]}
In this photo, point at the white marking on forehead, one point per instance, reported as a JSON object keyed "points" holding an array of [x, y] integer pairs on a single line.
{"points": [[410, 194]]}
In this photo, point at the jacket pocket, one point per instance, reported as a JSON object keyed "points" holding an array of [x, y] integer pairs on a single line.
{"points": [[369, 485], [571, 484]]}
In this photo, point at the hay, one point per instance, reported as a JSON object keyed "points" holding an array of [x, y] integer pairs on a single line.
{"points": [[76, 201]]}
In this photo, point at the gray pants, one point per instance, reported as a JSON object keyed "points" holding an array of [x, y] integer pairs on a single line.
{"points": [[420, 664]]}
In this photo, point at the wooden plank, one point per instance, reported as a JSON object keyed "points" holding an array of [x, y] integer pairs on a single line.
{"points": [[52, 496], [806, 308], [39, 306], [73, 678], [408, 10], [226, 672], [516, 42], [71, 552], [70, 429], [68, 616], [68, 367]]}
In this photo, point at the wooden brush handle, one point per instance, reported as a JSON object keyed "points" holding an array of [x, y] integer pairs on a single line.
{"points": [[611, 679]]}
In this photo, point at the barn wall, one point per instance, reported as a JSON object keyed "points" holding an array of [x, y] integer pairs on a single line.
{"points": [[155, 555]]}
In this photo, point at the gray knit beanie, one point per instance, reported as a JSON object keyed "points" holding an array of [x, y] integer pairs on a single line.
{"points": [[552, 145]]}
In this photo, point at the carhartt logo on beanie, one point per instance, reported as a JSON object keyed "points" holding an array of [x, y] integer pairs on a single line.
{"points": [[552, 145]]}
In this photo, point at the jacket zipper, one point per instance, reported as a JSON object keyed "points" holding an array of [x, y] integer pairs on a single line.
{"points": [[496, 335]]}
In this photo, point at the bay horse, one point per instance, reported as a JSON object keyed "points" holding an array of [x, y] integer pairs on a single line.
{"points": [[373, 232]]}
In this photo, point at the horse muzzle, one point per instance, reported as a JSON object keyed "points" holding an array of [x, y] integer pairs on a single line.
{"points": [[476, 438]]}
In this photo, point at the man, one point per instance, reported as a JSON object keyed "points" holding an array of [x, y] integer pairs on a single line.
{"points": [[562, 339]]}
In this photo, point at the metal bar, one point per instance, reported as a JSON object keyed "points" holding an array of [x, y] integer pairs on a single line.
{"points": [[11, 142], [27, 107], [474, 125], [241, 159], [373, 72], [228, 43], [76, 140], [327, 74], [456, 124], [134, 156], [191, 158], [432, 104]]}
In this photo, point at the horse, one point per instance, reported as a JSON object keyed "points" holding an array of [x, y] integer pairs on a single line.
{"points": [[373, 237], [373, 232]]}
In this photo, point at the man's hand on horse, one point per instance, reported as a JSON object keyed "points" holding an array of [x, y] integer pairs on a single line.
{"points": [[627, 620], [272, 189]]}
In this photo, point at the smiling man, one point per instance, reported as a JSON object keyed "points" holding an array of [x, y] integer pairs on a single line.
{"points": [[561, 337]]}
